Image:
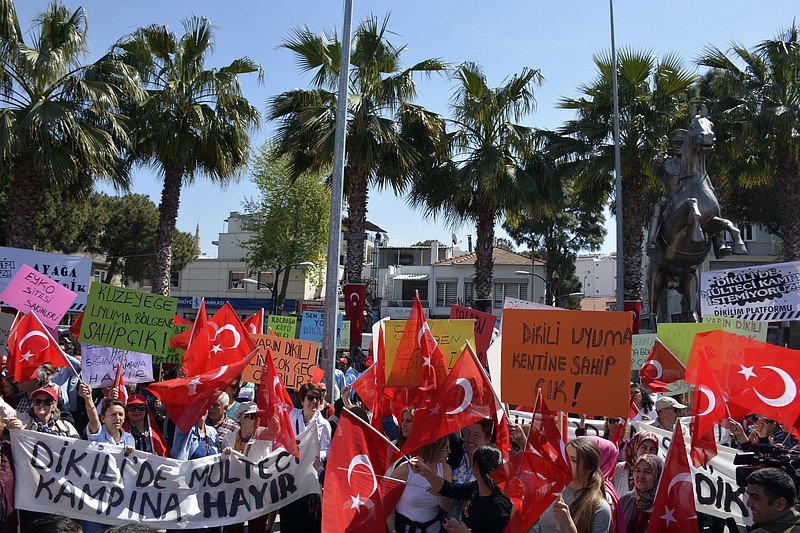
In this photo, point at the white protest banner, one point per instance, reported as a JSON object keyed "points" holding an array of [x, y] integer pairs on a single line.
{"points": [[715, 489], [99, 366], [100, 483], [71, 272], [762, 293]]}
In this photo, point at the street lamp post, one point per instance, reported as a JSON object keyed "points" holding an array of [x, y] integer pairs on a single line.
{"points": [[547, 287], [274, 289], [570, 295]]}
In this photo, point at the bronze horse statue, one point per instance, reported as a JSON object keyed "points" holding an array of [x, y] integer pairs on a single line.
{"points": [[690, 221]]}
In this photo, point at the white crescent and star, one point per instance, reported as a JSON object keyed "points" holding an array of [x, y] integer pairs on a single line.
{"points": [[712, 403], [658, 367], [687, 477], [361, 459], [193, 386], [27, 336], [354, 298], [467, 386], [789, 389], [236, 336]]}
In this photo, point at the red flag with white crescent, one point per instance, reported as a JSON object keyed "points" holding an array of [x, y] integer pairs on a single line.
{"points": [[354, 310]]}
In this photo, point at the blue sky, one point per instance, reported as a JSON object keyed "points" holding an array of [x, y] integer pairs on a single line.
{"points": [[557, 37]]}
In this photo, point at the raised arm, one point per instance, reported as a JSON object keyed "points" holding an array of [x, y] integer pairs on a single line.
{"points": [[85, 391]]}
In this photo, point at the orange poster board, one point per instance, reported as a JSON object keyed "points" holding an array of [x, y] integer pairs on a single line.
{"points": [[581, 360], [294, 360]]}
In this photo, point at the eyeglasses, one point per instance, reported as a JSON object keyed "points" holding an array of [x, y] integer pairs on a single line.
{"points": [[613, 420], [249, 416], [137, 407], [48, 402], [312, 398]]}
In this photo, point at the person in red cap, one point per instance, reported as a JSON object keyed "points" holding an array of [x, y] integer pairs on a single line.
{"points": [[44, 416], [141, 425]]}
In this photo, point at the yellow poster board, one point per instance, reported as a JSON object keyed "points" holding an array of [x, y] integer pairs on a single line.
{"points": [[450, 334]]}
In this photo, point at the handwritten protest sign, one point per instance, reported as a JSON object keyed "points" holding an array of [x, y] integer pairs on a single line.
{"points": [[99, 366], [581, 360], [450, 334], [679, 337], [344, 336], [715, 487], [132, 320], [484, 326], [71, 272], [294, 359], [760, 293], [103, 483], [641, 344], [6, 320], [172, 355], [31, 291], [313, 324], [745, 328], [283, 326], [516, 303]]}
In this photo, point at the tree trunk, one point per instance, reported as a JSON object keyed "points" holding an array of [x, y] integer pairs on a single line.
{"points": [[23, 206], [787, 179], [484, 263], [634, 214], [283, 289], [113, 265], [357, 198], [168, 216]]}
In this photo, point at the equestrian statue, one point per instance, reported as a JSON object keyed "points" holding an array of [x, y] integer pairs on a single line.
{"points": [[687, 223]]}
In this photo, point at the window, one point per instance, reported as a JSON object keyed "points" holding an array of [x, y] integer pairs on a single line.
{"points": [[99, 275], [175, 279], [410, 288], [747, 231], [469, 293], [265, 280], [512, 290], [446, 293], [235, 280]]}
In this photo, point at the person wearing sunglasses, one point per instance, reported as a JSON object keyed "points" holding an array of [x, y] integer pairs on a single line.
{"points": [[243, 441], [44, 416], [141, 426], [305, 514]]}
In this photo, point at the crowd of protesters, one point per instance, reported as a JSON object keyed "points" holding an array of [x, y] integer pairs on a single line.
{"points": [[448, 483]]}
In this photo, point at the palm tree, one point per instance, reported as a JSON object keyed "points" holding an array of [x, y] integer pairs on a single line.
{"points": [[384, 129], [194, 121], [494, 169], [652, 98], [758, 100], [58, 123]]}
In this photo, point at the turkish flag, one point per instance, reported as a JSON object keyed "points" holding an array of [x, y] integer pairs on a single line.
{"points": [[180, 321], [465, 397], [185, 399], [254, 324], [222, 340], [358, 496], [371, 385], [674, 508], [534, 478], [119, 382], [31, 345], [419, 361], [354, 310], [274, 406], [759, 377], [75, 327], [708, 408], [661, 368]]}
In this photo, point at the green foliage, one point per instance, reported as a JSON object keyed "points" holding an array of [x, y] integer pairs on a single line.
{"points": [[290, 219], [194, 122], [387, 135], [59, 121]]}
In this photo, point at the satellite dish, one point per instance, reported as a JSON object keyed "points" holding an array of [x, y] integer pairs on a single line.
{"points": [[454, 238]]}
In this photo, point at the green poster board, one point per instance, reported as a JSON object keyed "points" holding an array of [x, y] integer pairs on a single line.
{"points": [[283, 326], [128, 319]]}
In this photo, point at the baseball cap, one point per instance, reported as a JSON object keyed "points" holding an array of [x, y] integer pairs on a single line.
{"points": [[135, 399], [45, 391], [667, 401], [343, 360]]}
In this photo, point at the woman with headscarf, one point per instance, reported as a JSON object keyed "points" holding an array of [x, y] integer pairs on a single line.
{"points": [[641, 443], [608, 460], [637, 506]]}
